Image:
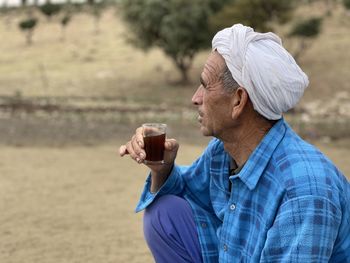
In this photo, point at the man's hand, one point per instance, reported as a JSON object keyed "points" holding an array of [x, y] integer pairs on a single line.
{"points": [[135, 148]]}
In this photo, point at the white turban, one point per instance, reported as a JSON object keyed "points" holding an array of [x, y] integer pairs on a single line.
{"points": [[260, 64]]}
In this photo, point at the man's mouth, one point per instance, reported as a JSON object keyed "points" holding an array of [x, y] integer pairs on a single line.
{"points": [[200, 117]]}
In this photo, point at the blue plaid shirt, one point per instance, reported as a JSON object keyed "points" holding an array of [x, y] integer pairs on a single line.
{"points": [[289, 203]]}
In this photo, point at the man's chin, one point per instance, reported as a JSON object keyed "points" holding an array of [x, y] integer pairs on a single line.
{"points": [[204, 131]]}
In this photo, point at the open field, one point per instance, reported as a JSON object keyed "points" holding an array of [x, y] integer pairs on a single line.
{"points": [[71, 204], [103, 73], [105, 64], [75, 204]]}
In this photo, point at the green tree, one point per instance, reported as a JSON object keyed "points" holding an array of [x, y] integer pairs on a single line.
{"points": [[67, 11], [346, 3], [64, 21], [49, 9], [306, 31], [259, 14], [96, 10], [179, 27], [28, 25]]}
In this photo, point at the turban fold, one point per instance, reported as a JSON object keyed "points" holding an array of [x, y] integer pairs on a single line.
{"points": [[260, 64]]}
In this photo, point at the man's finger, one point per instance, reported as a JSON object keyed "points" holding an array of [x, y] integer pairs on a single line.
{"points": [[139, 136], [132, 153], [137, 149], [123, 150], [171, 145]]}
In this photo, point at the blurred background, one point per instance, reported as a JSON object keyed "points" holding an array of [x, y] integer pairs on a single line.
{"points": [[77, 78]]}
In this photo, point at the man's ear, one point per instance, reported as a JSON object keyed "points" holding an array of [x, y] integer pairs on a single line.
{"points": [[239, 101]]}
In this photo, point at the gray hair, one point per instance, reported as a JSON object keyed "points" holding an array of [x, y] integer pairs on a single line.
{"points": [[229, 83]]}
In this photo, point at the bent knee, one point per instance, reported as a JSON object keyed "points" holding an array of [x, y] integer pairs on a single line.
{"points": [[166, 205], [164, 210]]}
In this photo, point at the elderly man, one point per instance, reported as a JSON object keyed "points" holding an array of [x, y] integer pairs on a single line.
{"points": [[258, 193]]}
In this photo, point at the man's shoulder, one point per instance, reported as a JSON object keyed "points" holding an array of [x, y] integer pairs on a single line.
{"points": [[302, 169], [293, 153]]}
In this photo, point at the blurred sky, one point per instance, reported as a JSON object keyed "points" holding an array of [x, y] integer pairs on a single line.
{"points": [[17, 2]]}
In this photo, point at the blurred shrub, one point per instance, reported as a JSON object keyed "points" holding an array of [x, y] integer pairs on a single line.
{"points": [[49, 9], [259, 14], [306, 30], [65, 20], [346, 4], [27, 26], [96, 9]]}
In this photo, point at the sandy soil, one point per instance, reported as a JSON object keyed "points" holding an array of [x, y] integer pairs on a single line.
{"points": [[75, 204], [71, 205]]}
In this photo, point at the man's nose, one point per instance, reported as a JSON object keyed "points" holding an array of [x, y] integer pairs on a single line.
{"points": [[197, 98]]}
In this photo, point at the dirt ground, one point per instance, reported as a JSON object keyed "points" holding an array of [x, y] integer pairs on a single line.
{"points": [[75, 204], [71, 204]]}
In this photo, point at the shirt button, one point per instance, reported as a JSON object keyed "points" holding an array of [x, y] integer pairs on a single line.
{"points": [[233, 207], [204, 225], [225, 247]]}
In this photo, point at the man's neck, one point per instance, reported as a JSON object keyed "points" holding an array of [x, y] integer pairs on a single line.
{"points": [[243, 142]]}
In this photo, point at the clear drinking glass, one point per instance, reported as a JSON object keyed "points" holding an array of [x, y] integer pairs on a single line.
{"points": [[154, 138]]}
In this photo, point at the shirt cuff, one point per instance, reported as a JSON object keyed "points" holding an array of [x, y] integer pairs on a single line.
{"points": [[147, 197]]}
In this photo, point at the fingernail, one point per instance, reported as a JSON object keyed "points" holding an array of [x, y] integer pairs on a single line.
{"points": [[142, 155], [137, 159], [139, 143]]}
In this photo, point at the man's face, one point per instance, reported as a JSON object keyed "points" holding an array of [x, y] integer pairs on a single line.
{"points": [[214, 104]]}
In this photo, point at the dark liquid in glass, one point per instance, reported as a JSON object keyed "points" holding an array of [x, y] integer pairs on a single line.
{"points": [[154, 147]]}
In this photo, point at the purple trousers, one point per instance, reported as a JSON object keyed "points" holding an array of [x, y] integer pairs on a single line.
{"points": [[170, 231]]}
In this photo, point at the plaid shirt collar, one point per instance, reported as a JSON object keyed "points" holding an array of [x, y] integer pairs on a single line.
{"points": [[256, 164]]}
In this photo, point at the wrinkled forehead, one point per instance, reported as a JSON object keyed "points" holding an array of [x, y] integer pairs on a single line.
{"points": [[214, 65]]}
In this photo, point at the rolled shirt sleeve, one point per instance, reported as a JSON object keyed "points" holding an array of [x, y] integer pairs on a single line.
{"points": [[184, 180], [173, 185]]}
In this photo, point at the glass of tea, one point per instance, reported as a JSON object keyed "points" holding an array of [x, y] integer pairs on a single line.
{"points": [[154, 139]]}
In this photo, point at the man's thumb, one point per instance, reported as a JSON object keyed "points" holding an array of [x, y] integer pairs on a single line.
{"points": [[171, 145]]}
